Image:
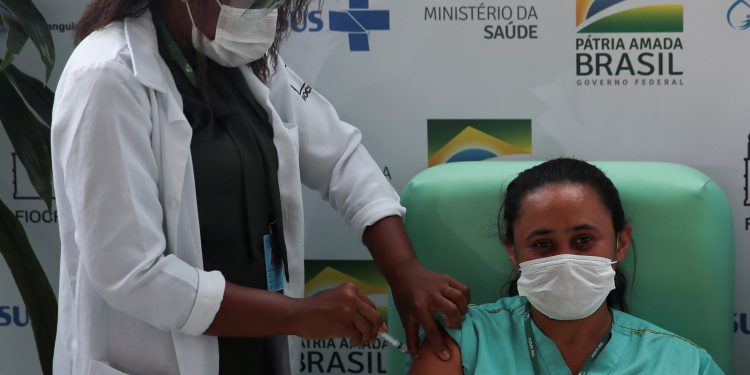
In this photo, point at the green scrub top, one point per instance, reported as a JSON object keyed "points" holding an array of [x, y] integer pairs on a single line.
{"points": [[493, 341]]}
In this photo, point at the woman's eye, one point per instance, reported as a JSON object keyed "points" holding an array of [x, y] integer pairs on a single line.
{"points": [[543, 244], [583, 239]]}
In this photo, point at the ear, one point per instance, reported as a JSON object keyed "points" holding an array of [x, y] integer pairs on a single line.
{"points": [[511, 253], [623, 242]]}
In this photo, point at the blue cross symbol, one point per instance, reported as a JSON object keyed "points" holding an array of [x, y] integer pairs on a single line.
{"points": [[358, 21]]}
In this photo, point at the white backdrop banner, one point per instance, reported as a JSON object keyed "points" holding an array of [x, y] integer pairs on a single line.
{"points": [[433, 81]]}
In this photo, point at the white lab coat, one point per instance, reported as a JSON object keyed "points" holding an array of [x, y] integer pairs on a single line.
{"points": [[133, 295]]}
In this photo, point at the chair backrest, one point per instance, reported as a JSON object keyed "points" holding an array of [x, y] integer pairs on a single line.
{"points": [[682, 229]]}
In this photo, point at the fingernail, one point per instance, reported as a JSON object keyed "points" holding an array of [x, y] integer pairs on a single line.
{"points": [[445, 355]]}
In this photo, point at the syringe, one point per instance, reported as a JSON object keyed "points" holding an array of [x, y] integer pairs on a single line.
{"points": [[393, 342]]}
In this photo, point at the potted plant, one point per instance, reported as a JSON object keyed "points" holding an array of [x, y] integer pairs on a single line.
{"points": [[25, 113]]}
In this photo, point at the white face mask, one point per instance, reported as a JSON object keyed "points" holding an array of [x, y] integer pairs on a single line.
{"points": [[242, 35], [567, 286]]}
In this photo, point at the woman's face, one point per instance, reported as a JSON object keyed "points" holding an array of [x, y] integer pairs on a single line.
{"points": [[565, 219]]}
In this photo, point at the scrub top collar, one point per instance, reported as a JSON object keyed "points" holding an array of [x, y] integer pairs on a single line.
{"points": [[552, 362]]}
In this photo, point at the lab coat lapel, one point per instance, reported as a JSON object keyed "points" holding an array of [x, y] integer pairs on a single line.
{"points": [[285, 138], [172, 133], [140, 34], [175, 151], [291, 206], [288, 171]]}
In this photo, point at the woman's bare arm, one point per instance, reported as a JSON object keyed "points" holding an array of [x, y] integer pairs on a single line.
{"points": [[427, 361]]}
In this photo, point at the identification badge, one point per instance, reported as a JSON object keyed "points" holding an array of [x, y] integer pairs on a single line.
{"points": [[274, 266]]}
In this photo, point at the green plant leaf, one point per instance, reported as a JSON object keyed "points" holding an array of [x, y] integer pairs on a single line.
{"points": [[25, 13], [14, 41], [35, 288], [36, 94], [30, 139]]}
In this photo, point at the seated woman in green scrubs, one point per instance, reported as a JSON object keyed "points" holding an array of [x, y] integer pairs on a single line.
{"points": [[565, 231]]}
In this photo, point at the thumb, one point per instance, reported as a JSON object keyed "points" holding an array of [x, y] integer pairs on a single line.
{"points": [[437, 342]]}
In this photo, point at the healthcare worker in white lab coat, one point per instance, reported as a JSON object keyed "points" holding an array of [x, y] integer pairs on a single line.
{"points": [[180, 143]]}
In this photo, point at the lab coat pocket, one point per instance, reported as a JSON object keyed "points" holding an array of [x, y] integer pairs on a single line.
{"points": [[291, 129], [101, 368]]}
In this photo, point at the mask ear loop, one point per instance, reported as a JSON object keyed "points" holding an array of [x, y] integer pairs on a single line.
{"points": [[515, 255], [190, 13], [617, 246]]}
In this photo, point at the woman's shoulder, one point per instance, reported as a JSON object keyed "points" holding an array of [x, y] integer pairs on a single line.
{"points": [[491, 337], [503, 310], [99, 72], [645, 330], [101, 48], [506, 306], [495, 316], [645, 338]]}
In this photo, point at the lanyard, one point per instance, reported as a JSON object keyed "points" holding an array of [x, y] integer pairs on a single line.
{"points": [[533, 348], [174, 51]]}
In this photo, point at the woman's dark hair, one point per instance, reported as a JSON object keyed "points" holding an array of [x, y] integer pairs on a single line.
{"points": [[100, 13], [567, 171]]}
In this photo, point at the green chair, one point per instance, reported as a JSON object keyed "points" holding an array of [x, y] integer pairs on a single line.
{"points": [[682, 229]]}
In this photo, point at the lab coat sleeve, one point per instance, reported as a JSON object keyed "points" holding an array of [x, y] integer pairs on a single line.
{"points": [[101, 139], [331, 155]]}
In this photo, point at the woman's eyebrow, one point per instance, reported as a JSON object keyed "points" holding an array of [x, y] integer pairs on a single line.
{"points": [[539, 232], [583, 227], [544, 231]]}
